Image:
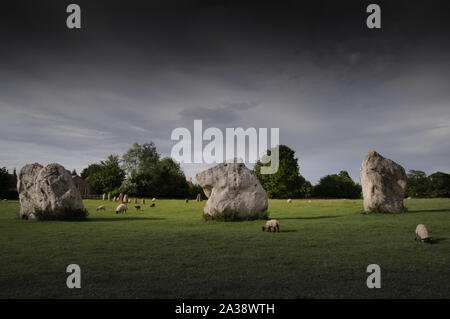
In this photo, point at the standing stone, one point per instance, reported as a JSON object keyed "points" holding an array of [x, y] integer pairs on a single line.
{"points": [[199, 198], [383, 184], [104, 196], [232, 188], [46, 188], [135, 200], [109, 196], [125, 198], [143, 201], [120, 197]]}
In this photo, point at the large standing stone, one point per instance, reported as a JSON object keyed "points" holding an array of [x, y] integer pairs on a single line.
{"points": [[232, 188], [383, 184], [46, 188]]}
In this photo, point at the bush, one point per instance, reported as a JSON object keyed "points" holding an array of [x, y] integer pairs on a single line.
{"points": [[64, 213], [231, 216]]}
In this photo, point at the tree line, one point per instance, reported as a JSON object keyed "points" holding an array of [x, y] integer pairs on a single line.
{"points": [[141, 172]]}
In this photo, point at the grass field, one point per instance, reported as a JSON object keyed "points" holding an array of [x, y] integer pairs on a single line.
{"points": [[169, 252]]}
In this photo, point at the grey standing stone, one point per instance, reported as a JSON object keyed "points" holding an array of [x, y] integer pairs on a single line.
{"points": [[383, 184], [232, 188], [46, 188]]}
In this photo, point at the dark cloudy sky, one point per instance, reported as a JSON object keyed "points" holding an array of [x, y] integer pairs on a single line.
{"points": [[137, 70]]}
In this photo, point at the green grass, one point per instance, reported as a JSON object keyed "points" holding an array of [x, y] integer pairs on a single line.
{"points": [[169, 251]]}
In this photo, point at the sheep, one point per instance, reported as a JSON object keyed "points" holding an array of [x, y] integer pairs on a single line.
{"points": [[422, 234], [153, 199], [152, 205], [138, 207], [309, 201], [101, 207], [121, 208], [289, 201], [273, 223], [186, 200]]}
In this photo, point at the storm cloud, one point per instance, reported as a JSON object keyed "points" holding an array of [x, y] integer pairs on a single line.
{"points": [[135, 72]]}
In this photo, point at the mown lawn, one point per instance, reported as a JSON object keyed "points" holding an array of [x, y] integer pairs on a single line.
{"points": [[169, 252]]}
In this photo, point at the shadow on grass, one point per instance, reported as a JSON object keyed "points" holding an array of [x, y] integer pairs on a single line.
{"points": [[437, 240], [118, 219], [428, 211], [313, 217], [288, 231]]}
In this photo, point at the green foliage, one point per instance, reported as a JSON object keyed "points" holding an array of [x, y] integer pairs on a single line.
{"points": [[337, 186], [90, 171], [439, 185], [150, 176], [231, 216], [109, 176], [7, 185], [435, 185], [417, 184], [63, 214], [4, 181], [287, 181]]}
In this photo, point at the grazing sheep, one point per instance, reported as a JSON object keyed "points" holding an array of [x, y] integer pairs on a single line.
{"points": [[152, 205], [121, 208], [309, 201], [186, 200], [101, 207], [289, 201], [153, 199], [422, 234], [138, 207], [273, 223]]}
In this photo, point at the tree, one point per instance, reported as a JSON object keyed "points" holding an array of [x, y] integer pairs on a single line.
{"points": [[74, 172], [337, 186], [439, 184], [4, 181], [109, 177], [417, 184], [90, 170], [171, 180], [148, 176], [140, 159], [287, 181]]}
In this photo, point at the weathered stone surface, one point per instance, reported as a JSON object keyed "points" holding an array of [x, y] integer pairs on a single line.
{"points": [[46, 188], [232, 188], [383, 184]]}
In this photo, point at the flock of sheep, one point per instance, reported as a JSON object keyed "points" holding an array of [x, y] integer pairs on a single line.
{"points": [[273, 224]]}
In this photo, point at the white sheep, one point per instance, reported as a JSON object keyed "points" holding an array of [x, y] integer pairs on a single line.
{"points": [[422, 234], [121, 208], [101, 207], [289, 201], [153, 199], [273, 223]]}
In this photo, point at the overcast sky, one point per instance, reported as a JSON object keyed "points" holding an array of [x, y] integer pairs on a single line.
{"points": [[135, 72]]}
